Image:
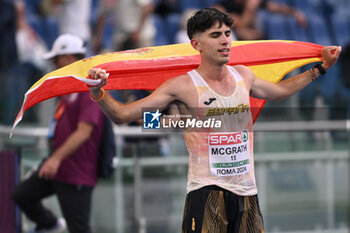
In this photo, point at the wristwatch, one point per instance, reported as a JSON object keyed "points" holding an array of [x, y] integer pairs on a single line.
{"points": [[320, 68]]}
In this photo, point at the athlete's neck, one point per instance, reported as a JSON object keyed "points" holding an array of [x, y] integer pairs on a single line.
{"points": [[217, 73]]}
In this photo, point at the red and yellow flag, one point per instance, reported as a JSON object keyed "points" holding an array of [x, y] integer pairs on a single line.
{"points": [[147, 68]]}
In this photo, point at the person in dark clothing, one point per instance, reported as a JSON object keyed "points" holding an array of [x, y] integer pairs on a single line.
{"points": [[70, 172]]}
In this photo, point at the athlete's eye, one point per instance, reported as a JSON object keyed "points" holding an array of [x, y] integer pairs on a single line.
{"points": [[215, 34]]}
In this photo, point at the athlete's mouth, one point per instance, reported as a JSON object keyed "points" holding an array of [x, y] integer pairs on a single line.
{"points": [[224, 50]]}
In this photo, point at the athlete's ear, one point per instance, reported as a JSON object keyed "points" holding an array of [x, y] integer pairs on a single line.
{"points": [[195, 44]]}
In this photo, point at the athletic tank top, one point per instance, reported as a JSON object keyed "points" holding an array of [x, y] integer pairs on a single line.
{"points": [[222, 157]]}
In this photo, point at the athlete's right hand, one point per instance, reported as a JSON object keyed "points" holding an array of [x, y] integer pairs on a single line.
{"points": [[98, 74]]}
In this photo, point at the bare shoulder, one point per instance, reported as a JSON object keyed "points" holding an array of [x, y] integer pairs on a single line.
{"points": [[182, 79], [246, 74], [181, 88], [244, 71], [179, 83]]}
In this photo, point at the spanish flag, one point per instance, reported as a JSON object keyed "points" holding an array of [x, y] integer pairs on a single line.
{"points": [[147, 68]]}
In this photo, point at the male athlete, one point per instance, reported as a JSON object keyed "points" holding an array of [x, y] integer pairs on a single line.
{"points": [[218, 200]]}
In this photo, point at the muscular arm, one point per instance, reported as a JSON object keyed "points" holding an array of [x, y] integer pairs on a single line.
{"points": [[266, 90], [121, 113], [72, 143]]}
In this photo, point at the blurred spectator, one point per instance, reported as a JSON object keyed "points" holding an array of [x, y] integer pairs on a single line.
{"points": [[181, 35], [345, 75], [20, 58], [30, 46], [345, 64], [134, 28], [70, 171], [73, 16], [104, 27], [135, 25], [166, 7], [8, 49], [28, 68], [133, 22], [244, 14], [166, 15]]}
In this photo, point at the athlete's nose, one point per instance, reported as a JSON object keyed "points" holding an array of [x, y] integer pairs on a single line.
{"points": [[225, 40]]}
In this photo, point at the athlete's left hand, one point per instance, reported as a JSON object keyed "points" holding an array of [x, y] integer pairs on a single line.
{"points": [[329, 56]]}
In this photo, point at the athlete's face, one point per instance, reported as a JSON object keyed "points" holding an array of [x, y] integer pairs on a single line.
{"points": [[214, 44]]}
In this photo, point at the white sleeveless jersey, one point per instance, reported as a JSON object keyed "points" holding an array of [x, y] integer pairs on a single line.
{"points": [[223, 158]]}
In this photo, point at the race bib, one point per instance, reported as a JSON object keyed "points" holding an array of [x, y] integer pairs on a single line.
{"points": [[229, 153]]}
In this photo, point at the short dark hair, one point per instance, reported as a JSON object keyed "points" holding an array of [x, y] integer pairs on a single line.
{"points": [[205, 19]]}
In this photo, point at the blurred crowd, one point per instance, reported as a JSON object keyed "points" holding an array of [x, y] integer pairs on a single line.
{"points": [[29, 28]]}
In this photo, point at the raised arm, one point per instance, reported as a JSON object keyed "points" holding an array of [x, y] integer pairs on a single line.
{"points": [[267, 90], [122, 113]]}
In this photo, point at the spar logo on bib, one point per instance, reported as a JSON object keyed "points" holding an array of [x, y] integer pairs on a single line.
{"points": [[229, 153], [228, 138]]}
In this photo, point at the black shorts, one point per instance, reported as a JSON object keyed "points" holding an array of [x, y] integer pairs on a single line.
{"points": [[212, 209]]}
